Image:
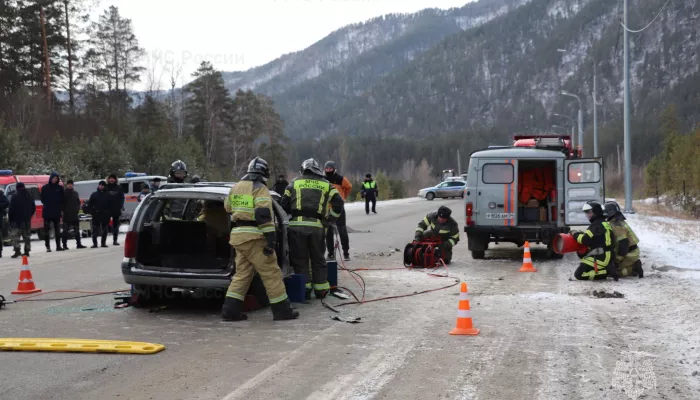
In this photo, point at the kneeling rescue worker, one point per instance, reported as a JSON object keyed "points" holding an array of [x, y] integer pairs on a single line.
{"points": [[254, 238], [440, 224], [306, 199], [598, 262], [627, 252]]}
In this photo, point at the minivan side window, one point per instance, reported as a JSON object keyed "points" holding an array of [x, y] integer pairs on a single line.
{"points": [[584, 172], [497, 173]]}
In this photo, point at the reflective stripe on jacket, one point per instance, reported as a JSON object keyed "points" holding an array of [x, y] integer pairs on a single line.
{"points": [[307, 198], [600, 240], [448, 232], [242, 202]]}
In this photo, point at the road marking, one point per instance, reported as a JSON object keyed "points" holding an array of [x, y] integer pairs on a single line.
{"points": [[274, 369]]}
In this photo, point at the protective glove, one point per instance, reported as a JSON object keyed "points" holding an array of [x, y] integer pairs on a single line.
{"points": [[419, 236], [428, 233], [575, 233]]}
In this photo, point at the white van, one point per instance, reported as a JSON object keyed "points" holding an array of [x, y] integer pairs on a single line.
{"points": [[131, 184], [498, 202]]}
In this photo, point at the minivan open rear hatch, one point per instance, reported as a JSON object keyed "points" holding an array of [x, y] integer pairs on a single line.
{"points": [[183, 232]]}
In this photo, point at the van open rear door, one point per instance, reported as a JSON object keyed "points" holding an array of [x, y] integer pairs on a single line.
{"points": [[497, 192], [583, 182]]}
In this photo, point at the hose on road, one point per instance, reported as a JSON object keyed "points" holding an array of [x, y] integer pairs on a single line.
{"points": [[363, 286]]}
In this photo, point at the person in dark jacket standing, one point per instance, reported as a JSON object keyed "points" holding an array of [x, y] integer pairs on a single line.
{"points": [[52, 199], [22, 208], [4, 204], [370, 192], [280, 185], [99, 207], [71, 218], [116, 204]]}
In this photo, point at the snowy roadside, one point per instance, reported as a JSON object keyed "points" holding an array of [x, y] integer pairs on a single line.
{"points": [[667, 241]]}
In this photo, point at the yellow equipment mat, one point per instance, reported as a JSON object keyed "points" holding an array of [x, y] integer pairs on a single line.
{"points": [[79, 345]]}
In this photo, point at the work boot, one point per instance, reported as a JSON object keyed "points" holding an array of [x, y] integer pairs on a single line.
{"points": [[48, 249], [115, 243], [80, 246], [59, 248], [613, 272], [283, 311], [320, 294], [346, 257], [233, 310], [26, 253], [331, 256], [637, 269], [308, 294]]}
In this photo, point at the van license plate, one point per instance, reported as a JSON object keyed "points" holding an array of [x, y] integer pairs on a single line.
{"points": [[500, 215]]}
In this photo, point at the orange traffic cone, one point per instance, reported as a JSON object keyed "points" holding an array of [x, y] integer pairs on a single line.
{"points": [[527, 260], [464, 318], [25, 284]]}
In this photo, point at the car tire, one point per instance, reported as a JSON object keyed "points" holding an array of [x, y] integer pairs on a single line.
{"points": [[430, 196], [478, 254], [461, 196]]}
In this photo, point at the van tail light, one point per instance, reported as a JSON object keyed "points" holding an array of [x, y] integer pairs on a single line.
{"points": [[130, 243], [469, 212]]}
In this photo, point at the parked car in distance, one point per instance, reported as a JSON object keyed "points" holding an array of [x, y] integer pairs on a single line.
{"points": [[167, 246], [444, 190]]}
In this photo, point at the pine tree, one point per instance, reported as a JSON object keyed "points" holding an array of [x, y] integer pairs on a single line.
{"points": [[274, 145], [209, 109]]}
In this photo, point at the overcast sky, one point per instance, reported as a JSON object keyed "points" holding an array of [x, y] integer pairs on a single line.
{"points": [[240, 34]]}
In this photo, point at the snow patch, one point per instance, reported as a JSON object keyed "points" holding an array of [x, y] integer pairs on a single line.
{"points": [[667, 241]]}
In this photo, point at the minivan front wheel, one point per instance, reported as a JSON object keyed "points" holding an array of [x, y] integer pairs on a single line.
{"points": [[478, 254], [430, 196]]}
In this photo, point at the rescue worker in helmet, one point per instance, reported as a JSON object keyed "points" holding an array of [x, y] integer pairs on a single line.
{"points": [[626, 251], [307, 200], [178, 172], [599, 261], [254, 238], [196, 179], [440, 224]]}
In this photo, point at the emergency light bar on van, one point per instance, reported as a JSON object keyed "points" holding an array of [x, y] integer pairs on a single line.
{"points": [[134, 174], [6, 172]]}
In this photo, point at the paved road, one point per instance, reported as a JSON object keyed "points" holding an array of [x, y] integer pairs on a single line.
{"points": [[542, 335]]}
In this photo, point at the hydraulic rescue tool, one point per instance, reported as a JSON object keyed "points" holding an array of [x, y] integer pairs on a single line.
{"points": [[426, 253]]}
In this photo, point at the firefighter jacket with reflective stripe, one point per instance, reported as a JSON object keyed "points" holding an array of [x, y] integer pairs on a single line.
{"points": [[600, 240], [250, 205], [307, 200], [626, 240], [448, 232]]}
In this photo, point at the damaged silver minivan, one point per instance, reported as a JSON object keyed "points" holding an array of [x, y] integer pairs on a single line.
{"points": [[178, 239]]}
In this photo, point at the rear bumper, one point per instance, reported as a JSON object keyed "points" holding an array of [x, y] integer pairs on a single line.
{"points": [[135, 274], [479, 236]]}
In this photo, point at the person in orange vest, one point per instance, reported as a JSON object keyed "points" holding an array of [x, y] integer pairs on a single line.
{"points": [[344, 187]]}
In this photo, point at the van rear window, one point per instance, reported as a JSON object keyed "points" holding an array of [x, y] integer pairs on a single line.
{"points": [[498, 173], [584, 172]]}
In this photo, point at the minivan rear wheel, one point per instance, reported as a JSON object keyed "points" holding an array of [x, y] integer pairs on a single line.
{"points": [[478, 254]]}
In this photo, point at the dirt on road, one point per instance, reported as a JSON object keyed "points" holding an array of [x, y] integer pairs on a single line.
{"points": [[543, 336]]}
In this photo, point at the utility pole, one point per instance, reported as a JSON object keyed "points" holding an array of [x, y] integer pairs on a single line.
{"points": [[595, 113], [627, 141], [459, 163], [580, 121], [47, 67]]}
